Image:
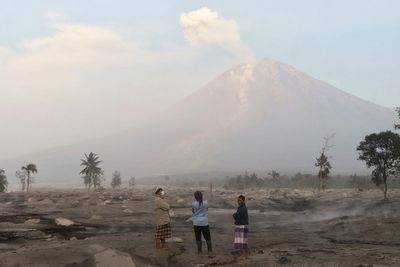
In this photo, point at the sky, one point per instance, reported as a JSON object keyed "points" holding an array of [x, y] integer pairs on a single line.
{"points": [[73, 70]]}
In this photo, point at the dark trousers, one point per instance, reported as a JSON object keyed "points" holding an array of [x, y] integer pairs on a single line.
{"points": [[202, 229]]}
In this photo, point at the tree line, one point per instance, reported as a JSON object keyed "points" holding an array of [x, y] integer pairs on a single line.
{"points": [[380, 151]]}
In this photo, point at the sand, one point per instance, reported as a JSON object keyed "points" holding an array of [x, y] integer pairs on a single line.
{"points": [[288, 227]]}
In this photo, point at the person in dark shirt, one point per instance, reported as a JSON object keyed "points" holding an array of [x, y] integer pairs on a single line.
{"points": [[242, 228]]}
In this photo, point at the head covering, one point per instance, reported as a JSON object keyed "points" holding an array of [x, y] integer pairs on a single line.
{"points": [[199, 197], [157, 190]]}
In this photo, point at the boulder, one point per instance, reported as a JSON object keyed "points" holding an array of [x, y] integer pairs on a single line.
{"points": [[113, 258], [63, 222]]}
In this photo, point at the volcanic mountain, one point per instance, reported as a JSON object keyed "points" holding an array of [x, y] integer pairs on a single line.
{"points": [[258, 116]]}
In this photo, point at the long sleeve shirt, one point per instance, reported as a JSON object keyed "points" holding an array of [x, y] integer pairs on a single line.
{"points": [[241, 216], [161, 210], [200, 217]]}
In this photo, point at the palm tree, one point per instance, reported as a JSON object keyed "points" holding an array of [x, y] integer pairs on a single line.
{"points": [[91, 170], [3, 181], [30, 168]]}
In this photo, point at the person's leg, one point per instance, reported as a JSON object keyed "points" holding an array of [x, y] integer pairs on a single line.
{"points": [[158, 243], [157, 237], [163, 244], [245, 250], [197, 233], [207, 237], [166, 234]]}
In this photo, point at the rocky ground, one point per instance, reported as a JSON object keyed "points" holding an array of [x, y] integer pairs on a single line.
{"points": [[288, 227]]}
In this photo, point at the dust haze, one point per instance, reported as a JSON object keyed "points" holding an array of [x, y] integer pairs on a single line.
{"points": [[98, 113]]}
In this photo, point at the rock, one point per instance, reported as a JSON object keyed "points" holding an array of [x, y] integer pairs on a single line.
{"points": [[47, 201], [283, 260], [113, 258], [174, 240], [96, 217], [124, 206], [31, 199], [128, 211], [76, 204], [63, 222], [32, 221], [181, 200], [107, 202], [73, 238]]}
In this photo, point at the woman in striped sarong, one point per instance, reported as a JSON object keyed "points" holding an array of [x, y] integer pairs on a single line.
{"points": [[161, 210], [242, 228]]}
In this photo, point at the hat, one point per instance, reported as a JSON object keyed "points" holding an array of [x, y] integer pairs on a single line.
{"points": [[157, 189]]}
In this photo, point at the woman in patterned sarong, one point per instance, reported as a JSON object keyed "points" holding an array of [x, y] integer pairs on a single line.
{"points": [[161, 210], [242, 228]]}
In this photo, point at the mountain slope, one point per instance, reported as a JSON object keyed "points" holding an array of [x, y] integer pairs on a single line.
{"points": [[259, 116]]}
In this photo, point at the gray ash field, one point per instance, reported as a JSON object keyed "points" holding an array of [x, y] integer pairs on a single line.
{"points": [[288, 227]]}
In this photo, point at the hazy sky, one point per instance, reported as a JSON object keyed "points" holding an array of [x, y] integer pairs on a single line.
{"points": [[71, 70]]}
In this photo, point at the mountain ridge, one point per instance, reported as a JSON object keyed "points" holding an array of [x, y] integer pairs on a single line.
{"points": [[259, 115]]}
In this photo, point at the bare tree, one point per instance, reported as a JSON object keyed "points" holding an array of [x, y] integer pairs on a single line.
{"points": [[132, 182], [116, 180], [21, 175], [275, 175], [323, 163]]}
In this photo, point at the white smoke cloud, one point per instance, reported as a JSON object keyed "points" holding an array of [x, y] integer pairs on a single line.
{"points": [[82, 81], [206, 27]]}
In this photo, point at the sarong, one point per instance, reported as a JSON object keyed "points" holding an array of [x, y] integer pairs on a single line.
{"points": [[241, 234], [163, 231]]}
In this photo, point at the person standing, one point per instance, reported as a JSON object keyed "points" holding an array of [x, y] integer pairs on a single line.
{"points": [[161, 211], [200, 221], [242, 228]]}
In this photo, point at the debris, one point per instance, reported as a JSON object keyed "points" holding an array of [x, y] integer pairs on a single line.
{"points": [[283, 260], [96, 217], [128, 211], [32, 221], [174, 240], [113, 258], [63, 222]]}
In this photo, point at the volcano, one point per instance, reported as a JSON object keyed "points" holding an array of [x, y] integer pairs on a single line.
{"points": [[257, 116]]}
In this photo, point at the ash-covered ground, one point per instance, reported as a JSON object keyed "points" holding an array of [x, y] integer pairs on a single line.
{"points": [[288, 227]]}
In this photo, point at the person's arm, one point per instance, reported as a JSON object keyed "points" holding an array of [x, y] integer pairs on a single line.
{"points": [[239, 213], [161, 204]]}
